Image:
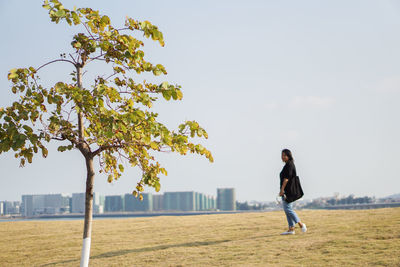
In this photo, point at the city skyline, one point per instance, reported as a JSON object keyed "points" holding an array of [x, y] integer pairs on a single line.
{"points": [[67, 205], [58, 204], [335, 194]]}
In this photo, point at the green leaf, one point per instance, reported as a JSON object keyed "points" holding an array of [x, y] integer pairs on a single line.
{"points": [[22, 163], [164, 171], [154, 145], [75, 18], [29, 156], [174, 95], [60, 13], [27, 128], [13, 74], [121, 168], [45, 152], [147, 140], [109, 134], [19, 142], [164, 85], [105, 20], [166, 94], [157, 72], [144, 24], [147, 66], [76, 44], [157, 186], [179, 94]]}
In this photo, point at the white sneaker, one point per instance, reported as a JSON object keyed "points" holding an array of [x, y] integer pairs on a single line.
{"points": [[288, 233], [304, 228]]}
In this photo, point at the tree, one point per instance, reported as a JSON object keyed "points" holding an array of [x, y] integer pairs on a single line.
{"points": [[111, 119]]}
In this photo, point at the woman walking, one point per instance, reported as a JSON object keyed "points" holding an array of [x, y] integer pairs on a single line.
{"points": [[287, 174]]}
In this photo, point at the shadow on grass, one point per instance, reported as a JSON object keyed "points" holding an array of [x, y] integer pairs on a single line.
{"points": [[138, 250], [161, 247]]}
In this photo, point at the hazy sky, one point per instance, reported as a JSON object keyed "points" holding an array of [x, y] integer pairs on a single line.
{"points": [[321, 78]]}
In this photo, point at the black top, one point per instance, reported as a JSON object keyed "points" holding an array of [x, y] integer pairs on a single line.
{"points": [[288, 171]]}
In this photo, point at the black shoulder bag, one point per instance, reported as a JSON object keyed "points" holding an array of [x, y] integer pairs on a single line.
{"points": [[293, 190]]}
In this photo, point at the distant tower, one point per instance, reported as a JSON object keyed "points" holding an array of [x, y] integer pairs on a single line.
{"points": [[134, 204], [78, 203], [226, 199], [114, 203], [180, 201], [158, 202]]}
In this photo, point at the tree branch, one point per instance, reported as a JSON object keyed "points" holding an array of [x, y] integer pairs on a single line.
{"points": [[59, 139], [66, 60], [84, 24], [73, 59], [110, 76], [102, 148], [94, 58]]}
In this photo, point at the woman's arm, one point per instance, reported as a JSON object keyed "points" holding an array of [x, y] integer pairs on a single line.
{"points": [[285, 181]]}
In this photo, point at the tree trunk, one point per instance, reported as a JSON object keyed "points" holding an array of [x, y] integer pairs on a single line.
{"points": [[87, 230]]}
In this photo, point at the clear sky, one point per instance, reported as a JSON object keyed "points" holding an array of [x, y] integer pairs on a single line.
{"points": [[321, 78]]}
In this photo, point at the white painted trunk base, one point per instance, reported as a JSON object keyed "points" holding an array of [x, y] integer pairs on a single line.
{"points": [[85, 252]]}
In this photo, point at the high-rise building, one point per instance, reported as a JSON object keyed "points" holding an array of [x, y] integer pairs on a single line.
{"points": [[10, 207], [203, 202], [78, 203], [171, 201], [206, 202], [27, 204], [226, 199], [213, 202], [210, 203], [45, 204], [197, 200], [158, 202], [134, 204], [180, 201], [99, 203], [114, 203], [187, 201]]}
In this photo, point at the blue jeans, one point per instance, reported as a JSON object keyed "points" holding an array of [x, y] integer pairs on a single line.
{"points": [[291, 215]]}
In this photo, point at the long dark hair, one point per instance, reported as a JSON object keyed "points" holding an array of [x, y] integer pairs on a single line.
{"points": [[288, 153]]}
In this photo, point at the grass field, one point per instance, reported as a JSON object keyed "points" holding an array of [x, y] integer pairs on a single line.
{"points": [[335, 238]]}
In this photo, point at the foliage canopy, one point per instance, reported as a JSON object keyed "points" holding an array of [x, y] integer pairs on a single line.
{"points": [[115, 121]]}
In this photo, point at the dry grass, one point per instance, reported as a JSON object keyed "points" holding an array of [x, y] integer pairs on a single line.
{"points": [[335, 238]]}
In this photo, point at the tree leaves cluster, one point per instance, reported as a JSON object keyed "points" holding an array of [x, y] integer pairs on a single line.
{"points": [[115, 121]]}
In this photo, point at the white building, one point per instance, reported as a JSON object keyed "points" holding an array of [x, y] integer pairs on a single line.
{"points": [[78, 203], [45, 204], [10, 207]]}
